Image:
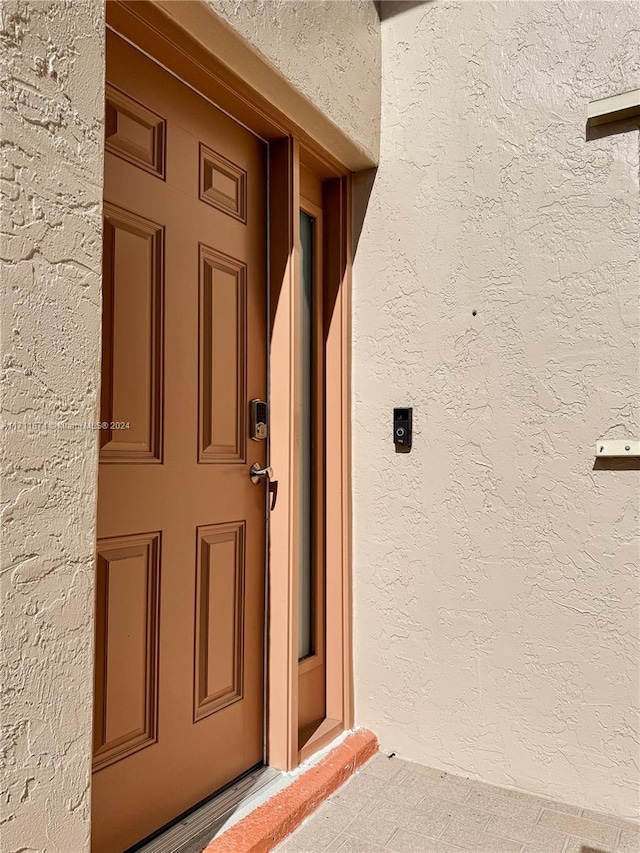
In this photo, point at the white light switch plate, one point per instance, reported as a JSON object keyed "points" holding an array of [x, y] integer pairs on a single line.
{"points": [[617, 447]]}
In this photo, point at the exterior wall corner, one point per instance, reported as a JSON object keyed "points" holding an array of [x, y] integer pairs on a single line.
{"points": [[52, 128]]}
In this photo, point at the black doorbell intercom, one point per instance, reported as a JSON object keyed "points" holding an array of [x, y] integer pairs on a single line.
{"points": [[402, 419]]}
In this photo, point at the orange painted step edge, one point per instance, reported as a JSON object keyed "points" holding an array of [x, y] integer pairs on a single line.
{"points": [[269, 824]]}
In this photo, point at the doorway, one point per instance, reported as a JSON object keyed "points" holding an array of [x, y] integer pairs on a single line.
{"points": [[205, 183]]}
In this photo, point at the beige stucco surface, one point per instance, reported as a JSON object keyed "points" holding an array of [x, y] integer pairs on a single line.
{"points": [[51, 185], [496, 572]]}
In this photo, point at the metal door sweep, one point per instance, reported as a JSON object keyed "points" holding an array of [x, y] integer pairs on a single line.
{"points": [[192, 833]]}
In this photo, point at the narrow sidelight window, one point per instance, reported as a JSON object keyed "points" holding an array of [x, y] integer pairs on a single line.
{"points": [[311, 457], [306, 603]]}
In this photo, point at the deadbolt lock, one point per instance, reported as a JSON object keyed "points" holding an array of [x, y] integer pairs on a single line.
{"points": [[259, 420]]}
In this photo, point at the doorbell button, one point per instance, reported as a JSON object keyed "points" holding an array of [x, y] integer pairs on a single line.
{"points": [[402, 428]]}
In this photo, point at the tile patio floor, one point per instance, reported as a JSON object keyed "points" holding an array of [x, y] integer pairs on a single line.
{"points": [[393, 806]]}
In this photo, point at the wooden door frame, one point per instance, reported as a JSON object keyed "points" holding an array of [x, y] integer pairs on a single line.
{"points": [[175, 46]]}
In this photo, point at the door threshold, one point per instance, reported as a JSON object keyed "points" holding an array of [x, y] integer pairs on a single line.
{"points": [[301, 793], [192, 833]]}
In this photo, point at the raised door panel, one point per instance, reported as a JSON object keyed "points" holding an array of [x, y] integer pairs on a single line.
{"points": [[222, 395], [132, 346], [219, 617], [134, 132], [126, 675], [223, 184]]}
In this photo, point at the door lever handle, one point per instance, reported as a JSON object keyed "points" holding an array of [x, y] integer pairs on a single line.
{"points": [[257, 473], [273, 491]]}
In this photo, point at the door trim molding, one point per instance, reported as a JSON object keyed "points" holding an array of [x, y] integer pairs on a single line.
{"points": [[149, 27], [190, 41], [282, 678]]}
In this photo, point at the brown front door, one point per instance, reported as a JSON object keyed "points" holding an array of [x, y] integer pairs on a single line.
{"points": [[181, 528]]}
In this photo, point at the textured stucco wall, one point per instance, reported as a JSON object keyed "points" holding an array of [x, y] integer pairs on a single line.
{"points": [[51, 184], [496, 572], [328, 50]]}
